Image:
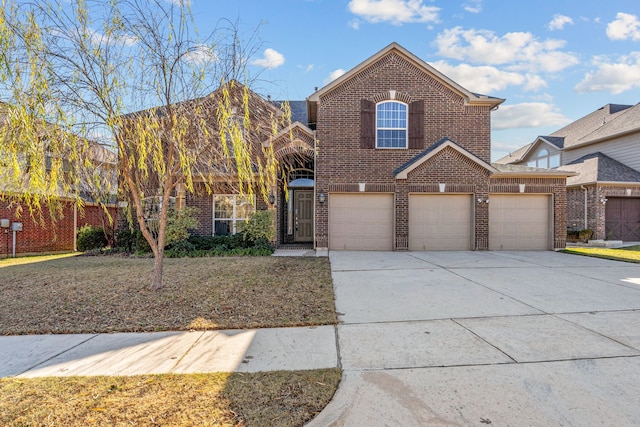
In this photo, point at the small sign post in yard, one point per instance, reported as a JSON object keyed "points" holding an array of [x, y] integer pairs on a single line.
{"points": [[15, 227]]}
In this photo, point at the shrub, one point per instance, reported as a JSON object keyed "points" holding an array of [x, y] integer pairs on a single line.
{"points": [[179, 222], [90, 237], [259, 226]]}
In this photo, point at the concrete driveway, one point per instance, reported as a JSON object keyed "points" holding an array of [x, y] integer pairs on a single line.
{"points": [[479, 338]]}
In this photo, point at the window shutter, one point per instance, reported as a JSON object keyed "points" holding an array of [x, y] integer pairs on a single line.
{"points": [[367, 124], [416, 125]]}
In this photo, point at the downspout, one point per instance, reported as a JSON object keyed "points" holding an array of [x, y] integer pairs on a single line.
{"points": [[585, 208], [315, 186], [75, 227]]}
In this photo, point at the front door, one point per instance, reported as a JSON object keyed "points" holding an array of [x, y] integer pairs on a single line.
{"points": [[303, 215]]}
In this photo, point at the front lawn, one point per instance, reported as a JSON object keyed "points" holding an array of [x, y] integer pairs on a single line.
{"points": [[282, 399], [108, 294], [627, 254], [62, 294]]}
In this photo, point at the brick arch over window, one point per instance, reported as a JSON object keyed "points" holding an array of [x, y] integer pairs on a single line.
{"points": [[368, 119]]}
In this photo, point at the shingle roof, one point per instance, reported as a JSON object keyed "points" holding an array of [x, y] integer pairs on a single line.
{"points": [[627, 120], [298, 111], [600, 167], [514, 156], [558, 141], [581, 130]]}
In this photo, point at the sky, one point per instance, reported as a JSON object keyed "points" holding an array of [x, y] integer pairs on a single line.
{"points": [[553, 61]]}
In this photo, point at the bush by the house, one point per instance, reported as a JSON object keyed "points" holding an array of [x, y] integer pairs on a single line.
{"points": [[259, 227], [90, 237]]}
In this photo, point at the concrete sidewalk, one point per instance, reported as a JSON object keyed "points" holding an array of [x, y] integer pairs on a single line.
{"points": [[169, 352]]}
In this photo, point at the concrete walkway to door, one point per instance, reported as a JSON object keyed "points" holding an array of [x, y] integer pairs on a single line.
{"points": [[479, 338]]}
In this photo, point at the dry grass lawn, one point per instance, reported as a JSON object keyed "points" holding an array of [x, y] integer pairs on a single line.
{"points": [[261, 399], [42, 295], [108, 294]]}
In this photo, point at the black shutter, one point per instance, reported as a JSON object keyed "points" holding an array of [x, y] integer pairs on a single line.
{"points": [[416, 125], [367, 124]]}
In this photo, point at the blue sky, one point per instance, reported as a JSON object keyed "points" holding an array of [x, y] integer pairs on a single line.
{"points": [[553, 61]]}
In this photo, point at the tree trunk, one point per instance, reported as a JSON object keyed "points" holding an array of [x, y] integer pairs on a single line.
{"points": [[156, 276]]}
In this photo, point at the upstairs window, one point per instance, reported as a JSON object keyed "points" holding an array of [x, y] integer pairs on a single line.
{"points": [[391, 125], [544, 159]]}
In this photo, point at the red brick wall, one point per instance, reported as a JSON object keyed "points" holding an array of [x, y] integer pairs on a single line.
{"points": [[340, 160], [46, 236]]}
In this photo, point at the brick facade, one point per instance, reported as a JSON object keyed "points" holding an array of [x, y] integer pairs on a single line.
{"points": [[44, 236], [343, 161]]}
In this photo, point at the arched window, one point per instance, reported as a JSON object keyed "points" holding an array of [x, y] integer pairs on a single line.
{"points": [[543, 159], [391, 125]]}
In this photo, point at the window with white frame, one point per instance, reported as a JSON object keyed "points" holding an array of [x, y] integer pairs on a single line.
{"points": [[230, 213], [544, 159], [391, 125]]}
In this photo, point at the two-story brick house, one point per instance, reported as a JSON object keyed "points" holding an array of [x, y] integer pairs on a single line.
{"points": [[403, 162], [393, 155]]}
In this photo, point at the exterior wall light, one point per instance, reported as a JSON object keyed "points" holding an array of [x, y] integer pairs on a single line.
{"points": [[322, 198], [272, 198], [481, 200], [603, 200]]}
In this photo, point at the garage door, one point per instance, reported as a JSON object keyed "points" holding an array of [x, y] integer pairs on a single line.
{"points": [[622, 219], [361, 221], [440, 222], [519, 222]]}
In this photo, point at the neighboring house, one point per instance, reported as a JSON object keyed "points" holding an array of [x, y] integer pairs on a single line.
{"points": [[41, 234], [393, 155], [602, 149]]}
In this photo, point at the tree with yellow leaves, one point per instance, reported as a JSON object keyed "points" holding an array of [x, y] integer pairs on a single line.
{"points": [[134, 76]]}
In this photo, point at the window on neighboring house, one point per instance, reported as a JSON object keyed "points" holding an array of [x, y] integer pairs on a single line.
{"points": [[391, 125], [230, 213], [544, 159]]}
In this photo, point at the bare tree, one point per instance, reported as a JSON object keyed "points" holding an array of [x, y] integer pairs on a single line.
{"points": [[133, 73]]}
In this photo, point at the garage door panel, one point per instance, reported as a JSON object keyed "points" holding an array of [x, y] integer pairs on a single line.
{"points": [[360, 221], [440, 221], [519, 222]]}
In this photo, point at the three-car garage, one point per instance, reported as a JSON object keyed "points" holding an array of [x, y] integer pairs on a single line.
{"points": [[439, 221]]}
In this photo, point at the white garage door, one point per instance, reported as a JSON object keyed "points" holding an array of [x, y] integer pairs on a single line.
{"points": [[519, 222], [440, 222], [361, 221]]}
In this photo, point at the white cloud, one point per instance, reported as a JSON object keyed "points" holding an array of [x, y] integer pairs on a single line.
{"points": [[527, 115], [306, 68], [355, 24], [272, 59], [518, 51], [559, 21], [488, 79], [614, 77], [473, 6], [200, 55], [626, 26], [397, 12], [334, 75]]}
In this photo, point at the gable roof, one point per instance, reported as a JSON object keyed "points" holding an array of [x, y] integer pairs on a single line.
{"points": [[470, 97], [598, 167], [403, 171]]}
